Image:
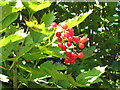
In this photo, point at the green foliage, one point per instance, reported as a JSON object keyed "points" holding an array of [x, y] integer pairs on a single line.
{"points": [[10, 39], [26, 34], [8, 20], [48, 19], [88, 52], [78, 19], [91, 76], [36, 6]]}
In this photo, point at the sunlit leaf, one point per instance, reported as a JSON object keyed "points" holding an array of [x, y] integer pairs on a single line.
{"points": [[10, 39], [78, 19], [91, 76], [36, 6]]}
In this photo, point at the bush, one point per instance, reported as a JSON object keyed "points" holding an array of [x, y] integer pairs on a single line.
{"points": [[31, 59]]}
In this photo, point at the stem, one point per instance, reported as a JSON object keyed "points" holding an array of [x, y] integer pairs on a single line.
{"points": [[15, 76]]}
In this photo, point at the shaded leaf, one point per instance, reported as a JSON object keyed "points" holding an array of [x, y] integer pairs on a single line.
{"points": [[48, 19], [8, 20], [88, 52], [115, 66]]}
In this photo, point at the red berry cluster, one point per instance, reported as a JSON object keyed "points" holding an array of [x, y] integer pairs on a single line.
{"points": [[67, 40]]}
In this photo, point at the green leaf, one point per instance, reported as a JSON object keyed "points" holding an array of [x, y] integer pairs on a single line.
{"points": [[48, 19], [115, 66], [88, 52], [3, 3], [10, 39], [36, 6], [40, 28], [52, 70], [91, 76], [74, 83], [6, 10], [28, 40], [51, 66], [9, 19], [9, 30], [78, 19], [25, 49], [37, 31], [37, 37], [54, 51], [64, 84], [34, 56], [23, 80]]}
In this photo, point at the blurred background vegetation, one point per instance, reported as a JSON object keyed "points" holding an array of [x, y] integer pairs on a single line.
{"points": [[102, 27]]}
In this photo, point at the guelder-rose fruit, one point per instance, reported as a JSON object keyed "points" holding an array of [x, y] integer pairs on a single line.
{"points": [[69, 44], [70, 39], [58, 34], [73, 56], [64, 26], [60, 45], [71, 34], [67, 61], [76, 39], [84, 39], [80, 55], [70, 29], [81, 45], [54, 24], [72, 61], [59, 39], [66, 35], [68, 54], [64, 48]]}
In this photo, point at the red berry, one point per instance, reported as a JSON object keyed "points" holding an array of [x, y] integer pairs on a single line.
{"points": [[59, 39], [54, 24], [71, 34], [66, 35], [70, 39], [69, 44], [64, 48], [80, 55], [60, 45], [84, 39], [76, 39], [58, 34], [73, 56], [67, 61], [72, 62], [64, 26], [81, 45], [68, 54], [70, 29], [27, 61]]}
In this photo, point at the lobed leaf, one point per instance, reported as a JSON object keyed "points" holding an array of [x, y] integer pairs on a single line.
{"points": [[48, 19], [91, 76]]}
